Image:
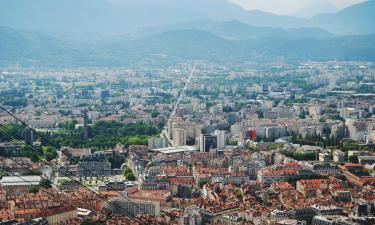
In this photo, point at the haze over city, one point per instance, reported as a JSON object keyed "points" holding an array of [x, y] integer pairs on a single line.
{"points": [[188, 112]]}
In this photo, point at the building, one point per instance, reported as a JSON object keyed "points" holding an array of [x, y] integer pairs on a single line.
{"points": [[285, 172], [132, 207], [366, 160], [18, 185], [221, 139], [154, 143], [324, 157], [85, 126], [309, 187], [332, 220], [62, 216], [326, 210], [253, 167], [338, 156], [207, 142], [171, 124], [179, 137], [29, 136], [93, 169], [358, 129]]}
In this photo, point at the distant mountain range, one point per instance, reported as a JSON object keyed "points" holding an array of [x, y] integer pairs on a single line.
{"points": [[32, 48], [236, 30], [357, 20], [115, 17], [121, 32]]}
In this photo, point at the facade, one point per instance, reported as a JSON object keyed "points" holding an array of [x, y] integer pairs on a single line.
{"points": [[221, 139], [154, 143], [179, 137], [332, 220], [131, 208], [62, 217], [15, 185], [366, 160], [338, 156], [207, 142], [92, 169]]}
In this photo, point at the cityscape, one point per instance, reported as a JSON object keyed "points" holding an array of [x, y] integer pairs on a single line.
{"points": [[182, 121]]}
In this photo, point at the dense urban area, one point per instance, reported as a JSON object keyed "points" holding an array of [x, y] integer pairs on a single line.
{"points": [[262, 143]]}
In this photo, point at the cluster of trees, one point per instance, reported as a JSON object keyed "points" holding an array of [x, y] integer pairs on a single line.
{"points": [[105, 134], [301, 156], [16, 102], [129, 175], [327, 141], [37, 154], [6, 132], [44, 183]]}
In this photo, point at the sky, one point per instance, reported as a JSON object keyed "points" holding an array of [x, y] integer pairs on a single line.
{"points": [[291, 7]]}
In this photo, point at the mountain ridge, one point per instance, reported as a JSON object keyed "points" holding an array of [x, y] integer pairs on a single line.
{"points": [[21, 47]]}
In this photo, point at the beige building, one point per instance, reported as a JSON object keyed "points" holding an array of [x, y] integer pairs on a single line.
{"points": [[179, 137]]}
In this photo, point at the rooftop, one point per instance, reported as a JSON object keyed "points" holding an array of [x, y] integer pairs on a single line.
{"points": [[22, 180]]}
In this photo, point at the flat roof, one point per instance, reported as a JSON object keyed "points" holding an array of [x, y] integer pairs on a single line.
{"points": [[20, 180], [170, 150]]}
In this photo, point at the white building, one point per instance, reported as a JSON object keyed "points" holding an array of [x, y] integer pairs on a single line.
{"points": [[221, 139], [338, 156]]}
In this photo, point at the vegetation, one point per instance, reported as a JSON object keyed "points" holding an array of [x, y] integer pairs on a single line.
{"points": [[106, 134], [238, 193], [201, 183], [34, 190], [32, 172], [44, 183], [301, 156], [129, 175], [90, 222], [3, 174]]}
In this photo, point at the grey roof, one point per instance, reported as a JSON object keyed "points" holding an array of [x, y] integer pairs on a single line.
{"points": [[22, 180]]}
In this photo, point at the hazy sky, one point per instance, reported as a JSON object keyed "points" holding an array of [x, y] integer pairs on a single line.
{"points": [[288, 7]]}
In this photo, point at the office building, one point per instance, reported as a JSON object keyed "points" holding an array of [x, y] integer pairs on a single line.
{"points": [[207, 143]]}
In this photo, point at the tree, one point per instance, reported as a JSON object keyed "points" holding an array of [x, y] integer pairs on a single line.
{"points": [[302, 114], [353, 159], [34, 190], [3, 174], [32, 172], [90, 222], [49, 153], [44, 183], [129, 175], [201, 183], [238, 194]]}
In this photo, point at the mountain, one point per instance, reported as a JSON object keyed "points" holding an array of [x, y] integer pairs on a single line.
{"points": [[316, 8], [236, 30], [28, 46], [116, 17], [36, 49], [104, 17], [356, 19], [122, 16]]}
